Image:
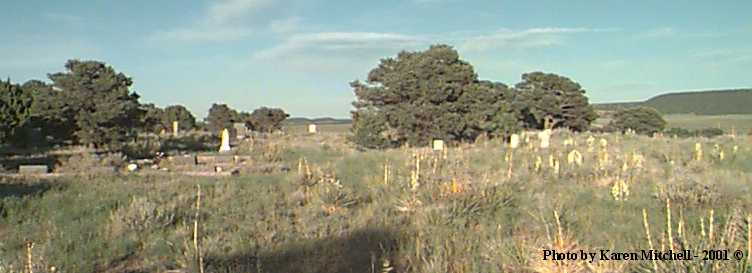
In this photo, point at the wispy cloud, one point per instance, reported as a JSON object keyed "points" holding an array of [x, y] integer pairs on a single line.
{"points": [[222, 21], [286, 25], [526, 38], [226, 11], [660, 32], [37, 56], [204, 34], [65, 19], [429, 1], [341, 41], [720, 57]]}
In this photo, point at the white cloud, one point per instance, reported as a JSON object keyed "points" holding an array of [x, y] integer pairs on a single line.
{"points": [[722, 57], [66, 19], [32, 58], [223, 21], [429, 1], [203, 33], [286, 25], [527, 38], [223, 12], [661, 32], [350, 54], [340, 41]]}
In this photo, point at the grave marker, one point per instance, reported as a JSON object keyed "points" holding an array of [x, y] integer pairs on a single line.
{"points": [[438, 145], [33, 169], [225, 147], [514, 141]]}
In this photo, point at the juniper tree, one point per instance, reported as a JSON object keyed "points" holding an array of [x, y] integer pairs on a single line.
{"points": [[643, 120], [15, 106], [178, 113], [267, 120], [548, 100], [105, 111], [417, 96]]}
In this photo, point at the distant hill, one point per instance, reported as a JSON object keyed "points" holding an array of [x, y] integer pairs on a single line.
{"points": [[326, 120], [712, 102]]}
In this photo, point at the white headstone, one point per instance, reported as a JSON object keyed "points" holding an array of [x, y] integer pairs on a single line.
{"points": [[438, 145], [312, 128], [545, 138], [225, 147], [514, 141], [175, 128]]}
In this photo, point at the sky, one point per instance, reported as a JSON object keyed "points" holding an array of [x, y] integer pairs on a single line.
{"points": [[300, 55]]}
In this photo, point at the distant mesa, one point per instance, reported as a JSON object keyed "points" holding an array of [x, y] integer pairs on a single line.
{"points": [[710, 102]]}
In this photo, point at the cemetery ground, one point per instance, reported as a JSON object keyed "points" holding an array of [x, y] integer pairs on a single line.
{"points": [[325, 206]]}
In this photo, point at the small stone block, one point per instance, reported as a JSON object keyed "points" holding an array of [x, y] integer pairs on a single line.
{"points": [[33, 169]]}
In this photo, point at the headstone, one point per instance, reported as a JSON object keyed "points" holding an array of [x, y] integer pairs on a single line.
{"points": [[514, 141], [569, 142], [698, 151], [183, 160], [175, 128], [33, 169], [311, 128], [438, 145], [545, 138], [240, 129], [215, 159], [225, 147], [574, 157]]}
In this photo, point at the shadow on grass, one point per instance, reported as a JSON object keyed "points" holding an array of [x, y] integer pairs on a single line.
{"points": [[22, 189], [359, 251]]}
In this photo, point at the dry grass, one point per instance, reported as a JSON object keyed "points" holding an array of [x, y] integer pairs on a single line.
{"points": [[469, 208]]}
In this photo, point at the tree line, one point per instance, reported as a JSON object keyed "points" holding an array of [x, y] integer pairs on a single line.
{"points": [[419, 96], [90, 103], [411, 99]]}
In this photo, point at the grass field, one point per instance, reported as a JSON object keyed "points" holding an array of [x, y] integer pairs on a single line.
{"points": [[480, 208], [741, 123], [324, 128]]}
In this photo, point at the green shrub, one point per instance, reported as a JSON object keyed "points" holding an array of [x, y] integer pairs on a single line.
{"points": [[643, 120], [679, 132], [709, 132]]}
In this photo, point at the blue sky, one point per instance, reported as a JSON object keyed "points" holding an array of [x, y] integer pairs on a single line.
{"points": [[301, 54]]}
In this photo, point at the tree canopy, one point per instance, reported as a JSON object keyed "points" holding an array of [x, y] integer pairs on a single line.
{"points": [[15, 108], [102, 109], [643, 120], [267, 120], [419, 96], [178, 113], [552, 101], [220, 117]]}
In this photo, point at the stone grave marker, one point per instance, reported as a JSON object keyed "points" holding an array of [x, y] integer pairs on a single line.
{"points": [[438, 145], [240, 129], [33, 169], [225, 147], [514, 141]]}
